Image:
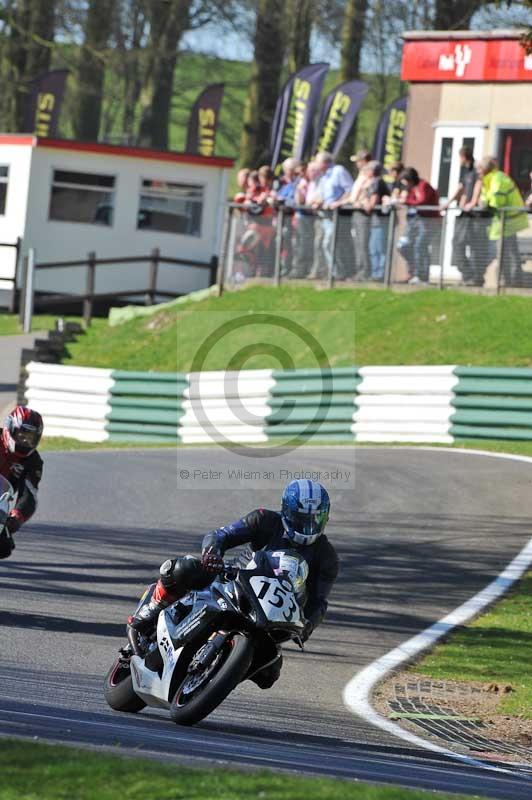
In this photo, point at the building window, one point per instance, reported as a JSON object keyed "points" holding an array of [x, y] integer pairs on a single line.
{"points": [[82, 197], [445, 166], [170, 207], [4, 177]]}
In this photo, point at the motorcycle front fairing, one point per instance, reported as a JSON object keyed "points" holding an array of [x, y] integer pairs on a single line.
{"points": [[156, 675]]}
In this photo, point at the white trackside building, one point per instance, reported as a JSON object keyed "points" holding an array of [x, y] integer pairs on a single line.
{"points": [[67, 198]]}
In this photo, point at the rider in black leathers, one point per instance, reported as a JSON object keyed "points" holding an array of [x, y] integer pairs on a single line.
{"points": [[262, 529]]}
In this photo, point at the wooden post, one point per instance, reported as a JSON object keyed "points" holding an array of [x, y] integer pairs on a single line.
{"points": [[89, 288], [154, 267]]}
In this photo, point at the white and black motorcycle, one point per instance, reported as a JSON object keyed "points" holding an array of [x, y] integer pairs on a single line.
{"points": [[211, 640]]}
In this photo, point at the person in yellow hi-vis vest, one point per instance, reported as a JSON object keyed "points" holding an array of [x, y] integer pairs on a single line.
{"points": [[498, 192]]}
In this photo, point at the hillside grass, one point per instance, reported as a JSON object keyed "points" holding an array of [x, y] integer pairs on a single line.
{"points": [[363, 327], [33, 771]]}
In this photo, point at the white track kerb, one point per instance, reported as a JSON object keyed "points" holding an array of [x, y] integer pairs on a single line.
{"points": [[357, 693]]}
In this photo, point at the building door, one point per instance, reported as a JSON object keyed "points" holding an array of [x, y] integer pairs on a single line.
{"points": [[448, 141], [515, 156], [445, 159]]}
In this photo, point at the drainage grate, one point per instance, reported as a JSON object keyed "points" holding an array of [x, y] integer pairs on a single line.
{"points": [[429, 705]]}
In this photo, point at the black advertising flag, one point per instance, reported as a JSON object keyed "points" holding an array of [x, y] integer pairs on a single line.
{"points": [[203, 122], [294, 113], [338, 115], [43, 105], [388, 146]]}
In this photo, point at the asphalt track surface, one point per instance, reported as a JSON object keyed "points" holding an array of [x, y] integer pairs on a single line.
{"points": [[418, 534]]}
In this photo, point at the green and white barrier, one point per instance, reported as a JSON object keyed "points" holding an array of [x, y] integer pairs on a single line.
{"points": [[433, 404]]}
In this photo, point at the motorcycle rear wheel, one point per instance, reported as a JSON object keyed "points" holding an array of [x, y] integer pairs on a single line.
{"points": [[118, 690], [232, 668]]}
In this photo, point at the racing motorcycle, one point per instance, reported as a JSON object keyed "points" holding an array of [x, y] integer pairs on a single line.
{"points": [[211, 640], [7, 499]]}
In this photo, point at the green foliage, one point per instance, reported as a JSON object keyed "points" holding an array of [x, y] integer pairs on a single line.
{"points": [[42, 772], [194, 71]]}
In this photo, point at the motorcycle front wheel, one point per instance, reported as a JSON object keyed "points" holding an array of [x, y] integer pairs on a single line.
{"points": [[118, 689], [200, 693]]}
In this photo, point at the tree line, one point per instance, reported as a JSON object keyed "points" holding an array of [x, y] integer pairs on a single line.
{"points": [[122, 54]]}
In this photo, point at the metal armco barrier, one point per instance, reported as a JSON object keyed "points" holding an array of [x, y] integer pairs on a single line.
{"points": [[432, 404]]}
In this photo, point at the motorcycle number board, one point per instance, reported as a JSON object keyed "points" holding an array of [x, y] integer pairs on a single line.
{"points": [[276, 597]]}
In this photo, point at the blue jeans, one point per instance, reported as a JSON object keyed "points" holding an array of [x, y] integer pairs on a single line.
{"points": [[377, 249], [414, 247]]}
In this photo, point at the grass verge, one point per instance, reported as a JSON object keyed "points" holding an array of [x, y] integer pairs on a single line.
{"points": [[64, 443], [45, 772], [10, 326], [497, 647], [352, 326]]}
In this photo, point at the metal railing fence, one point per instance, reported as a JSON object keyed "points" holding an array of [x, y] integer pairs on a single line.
{"points": [[393, 245]]}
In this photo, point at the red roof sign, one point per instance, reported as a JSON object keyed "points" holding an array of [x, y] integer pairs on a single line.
{"points": [[465, 60]]}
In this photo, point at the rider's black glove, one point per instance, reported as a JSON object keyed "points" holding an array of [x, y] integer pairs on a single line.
{"points": [[211, 561], [13, 523], [7, 545]]}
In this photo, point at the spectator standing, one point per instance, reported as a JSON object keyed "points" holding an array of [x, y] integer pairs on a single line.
{"points": [[373, 194], [285, 196], [469, 238], [308, 251], [414, 245], [360, 223], [335, 183], [254, 189], [394, 183], [267, 193], [499, 191], [242, 183]]}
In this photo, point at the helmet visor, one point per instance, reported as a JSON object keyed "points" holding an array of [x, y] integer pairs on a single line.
{"points": [[26, 439], [308, 524]]}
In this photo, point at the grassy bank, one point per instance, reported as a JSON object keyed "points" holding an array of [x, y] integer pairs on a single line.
{"points": [[31, 771], [364, 326], [496, 648]]}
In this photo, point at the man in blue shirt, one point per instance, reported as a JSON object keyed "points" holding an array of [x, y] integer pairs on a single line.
{"points": [[335, 183]]}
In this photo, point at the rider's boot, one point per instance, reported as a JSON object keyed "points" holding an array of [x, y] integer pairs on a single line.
{"points": [[145, 619]]}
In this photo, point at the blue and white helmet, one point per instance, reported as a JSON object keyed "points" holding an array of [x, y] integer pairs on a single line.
{"points": [[305, 510]]}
